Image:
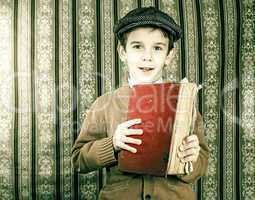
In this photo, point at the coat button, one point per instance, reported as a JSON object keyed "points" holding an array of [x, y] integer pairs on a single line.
{"points": [[147, 197]]}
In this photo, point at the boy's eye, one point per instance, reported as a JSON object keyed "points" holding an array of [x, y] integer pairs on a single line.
{"points": [[158, 48], [137, 46]]}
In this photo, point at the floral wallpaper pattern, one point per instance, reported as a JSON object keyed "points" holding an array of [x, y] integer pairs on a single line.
{"points": [[57, 56]]}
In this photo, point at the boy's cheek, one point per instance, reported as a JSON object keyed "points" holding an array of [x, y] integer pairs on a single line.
{"points": [[133, 58]]}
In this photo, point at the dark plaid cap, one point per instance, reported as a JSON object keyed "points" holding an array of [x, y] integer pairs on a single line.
{"points": [[150, 16]]}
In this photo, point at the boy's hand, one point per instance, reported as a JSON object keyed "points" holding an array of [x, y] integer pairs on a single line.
{"points": [[189, 149], [120, 136]]}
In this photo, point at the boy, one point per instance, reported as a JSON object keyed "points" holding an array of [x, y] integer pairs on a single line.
{"points": [[146, 37]]}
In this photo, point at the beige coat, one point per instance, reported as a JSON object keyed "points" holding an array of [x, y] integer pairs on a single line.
{"points": [[93, 150]]}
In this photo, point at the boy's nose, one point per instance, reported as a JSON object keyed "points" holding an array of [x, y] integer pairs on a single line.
{"points": [[147, 56]]}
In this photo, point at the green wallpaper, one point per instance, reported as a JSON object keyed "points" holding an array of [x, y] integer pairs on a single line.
{"points": [[57, 56]]}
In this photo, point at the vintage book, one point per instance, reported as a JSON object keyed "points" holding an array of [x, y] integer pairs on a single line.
{"points": [[167, 113]]}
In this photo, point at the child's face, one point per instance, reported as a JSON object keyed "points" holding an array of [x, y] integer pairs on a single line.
{"points": [[146, 54]]}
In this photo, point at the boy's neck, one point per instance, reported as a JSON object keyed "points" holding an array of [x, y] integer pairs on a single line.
{"points": [[132, 82]]}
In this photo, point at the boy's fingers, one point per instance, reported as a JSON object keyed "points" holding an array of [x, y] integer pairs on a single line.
{"points": [[193, 144], [134, 132], [188, 152], [127, 147], [190, 139], [131, 140], [191, 154], [131, 122], [191, 158]]}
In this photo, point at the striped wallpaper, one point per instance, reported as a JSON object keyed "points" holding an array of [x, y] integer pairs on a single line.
{"points": [[57, 56]]}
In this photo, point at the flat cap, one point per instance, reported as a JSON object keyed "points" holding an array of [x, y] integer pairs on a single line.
{"points": [[147, 16]]}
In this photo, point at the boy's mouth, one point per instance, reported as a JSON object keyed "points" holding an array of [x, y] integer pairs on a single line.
{"points": [[146, 69]]}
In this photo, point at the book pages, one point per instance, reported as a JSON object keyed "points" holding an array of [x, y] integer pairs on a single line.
{"points": [[183, 126]]}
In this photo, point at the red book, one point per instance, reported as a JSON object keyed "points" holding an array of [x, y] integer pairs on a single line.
{"points": [[156, 105]]}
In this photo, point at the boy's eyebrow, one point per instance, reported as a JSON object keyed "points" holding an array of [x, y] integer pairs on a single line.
{"points": [[134, 42], [161, 43], [157, 43]]}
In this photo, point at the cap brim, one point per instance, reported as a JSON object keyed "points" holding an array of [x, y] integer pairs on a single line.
{"points": [[171, 30]]}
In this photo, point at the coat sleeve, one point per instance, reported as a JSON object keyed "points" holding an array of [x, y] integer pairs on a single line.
{"points": [[93, 149], [201, 165]]}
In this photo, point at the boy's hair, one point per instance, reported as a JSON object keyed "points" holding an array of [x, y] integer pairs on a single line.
{"points": [[123, 37], [147, 17]]}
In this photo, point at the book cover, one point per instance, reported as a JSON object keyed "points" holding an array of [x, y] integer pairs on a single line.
{"points": [[156, 105]]}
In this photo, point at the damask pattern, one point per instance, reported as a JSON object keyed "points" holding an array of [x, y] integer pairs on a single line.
{"points": [[86, 57], [87, 79], [147, 3], [108, 46], [65, 89], [229, 97], [190, 31], [211, 45], [24, 91], [172, 71], [125, 6], [45, 99], [247, 61], [6, 100]]}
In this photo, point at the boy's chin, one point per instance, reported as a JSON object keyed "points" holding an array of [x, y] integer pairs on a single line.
{"points": [[146, 80], [143, 79]]}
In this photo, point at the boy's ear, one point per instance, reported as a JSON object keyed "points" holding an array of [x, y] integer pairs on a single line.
{"points": [[170, 56], [122, 53]]}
